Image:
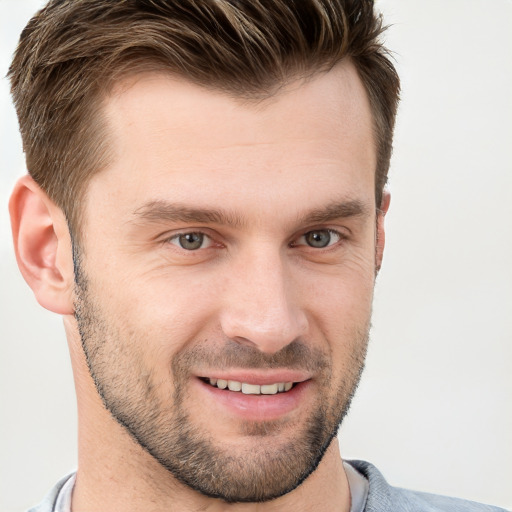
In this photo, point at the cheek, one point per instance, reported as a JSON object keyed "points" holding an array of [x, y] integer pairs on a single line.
{"points": [[162, 313], [341, 303]]}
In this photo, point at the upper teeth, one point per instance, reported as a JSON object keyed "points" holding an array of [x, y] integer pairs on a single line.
{"points": [[252, 389]]}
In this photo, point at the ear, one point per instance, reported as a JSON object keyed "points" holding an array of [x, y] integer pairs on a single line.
{"points": [[43, 246], [381, 234]]}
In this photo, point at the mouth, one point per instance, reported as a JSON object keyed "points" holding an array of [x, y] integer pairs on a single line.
{"points": [[249, 389], [257, 397]]}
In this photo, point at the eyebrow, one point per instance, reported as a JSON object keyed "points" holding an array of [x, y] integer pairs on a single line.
{"points": [[336, 210], [163, 211]]}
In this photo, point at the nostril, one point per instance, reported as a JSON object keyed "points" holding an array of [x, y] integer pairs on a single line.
{"points": [[244, 342]]}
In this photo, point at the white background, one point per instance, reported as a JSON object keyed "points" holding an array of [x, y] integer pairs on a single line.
{"points": [[434, 409]]}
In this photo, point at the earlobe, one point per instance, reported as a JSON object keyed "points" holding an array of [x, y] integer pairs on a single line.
{"points": [[43, 246], [381, 233]]}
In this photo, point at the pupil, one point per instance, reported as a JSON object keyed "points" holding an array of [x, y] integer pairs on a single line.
{"points": [[318, 239], [191, 241]]}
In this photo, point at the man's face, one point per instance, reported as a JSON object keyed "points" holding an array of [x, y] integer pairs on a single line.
{"points": [[231, 244]]}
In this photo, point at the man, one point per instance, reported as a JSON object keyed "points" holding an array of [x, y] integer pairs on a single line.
{"points": [[205, 208]]}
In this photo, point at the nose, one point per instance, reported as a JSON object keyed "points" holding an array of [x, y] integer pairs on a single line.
{"points": [[261, 304]]}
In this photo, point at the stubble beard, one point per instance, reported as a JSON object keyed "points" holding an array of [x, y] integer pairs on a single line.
{"points": [[162, 427]]}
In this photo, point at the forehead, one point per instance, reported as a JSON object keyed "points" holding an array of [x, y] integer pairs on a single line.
{"points": [[173, 140], [322, 101]]}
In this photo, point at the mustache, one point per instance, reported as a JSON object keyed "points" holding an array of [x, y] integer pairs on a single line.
{"points": [[297, 355]]}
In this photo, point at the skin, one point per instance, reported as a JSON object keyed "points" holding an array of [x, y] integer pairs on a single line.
{"points": [[255, 285]]}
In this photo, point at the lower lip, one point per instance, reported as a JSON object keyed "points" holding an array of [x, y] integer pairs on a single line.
{"points": [[257, 407]]}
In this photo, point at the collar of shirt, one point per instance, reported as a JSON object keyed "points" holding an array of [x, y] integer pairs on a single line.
{"points": [[357, 482]]}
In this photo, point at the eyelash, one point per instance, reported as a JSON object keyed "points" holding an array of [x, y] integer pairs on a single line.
{"points": [[331, 232], [175, 239]]}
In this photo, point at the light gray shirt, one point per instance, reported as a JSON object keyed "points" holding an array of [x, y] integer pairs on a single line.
{"points": [[357, 483], [379, 497]]}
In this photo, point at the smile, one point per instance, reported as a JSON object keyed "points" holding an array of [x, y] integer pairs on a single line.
{"points": [[250, 389]]}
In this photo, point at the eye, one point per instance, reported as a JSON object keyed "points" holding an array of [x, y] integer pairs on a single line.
{"points": [[191, 241], [319, 238]]}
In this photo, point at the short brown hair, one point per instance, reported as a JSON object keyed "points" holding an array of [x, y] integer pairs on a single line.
{"points": [[72, 51]]}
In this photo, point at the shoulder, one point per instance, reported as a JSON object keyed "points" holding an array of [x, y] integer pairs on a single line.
{"points": [[382, 497], [48, 504]]}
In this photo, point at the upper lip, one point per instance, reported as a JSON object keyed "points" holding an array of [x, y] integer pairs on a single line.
{"points": [[260, 377]]}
